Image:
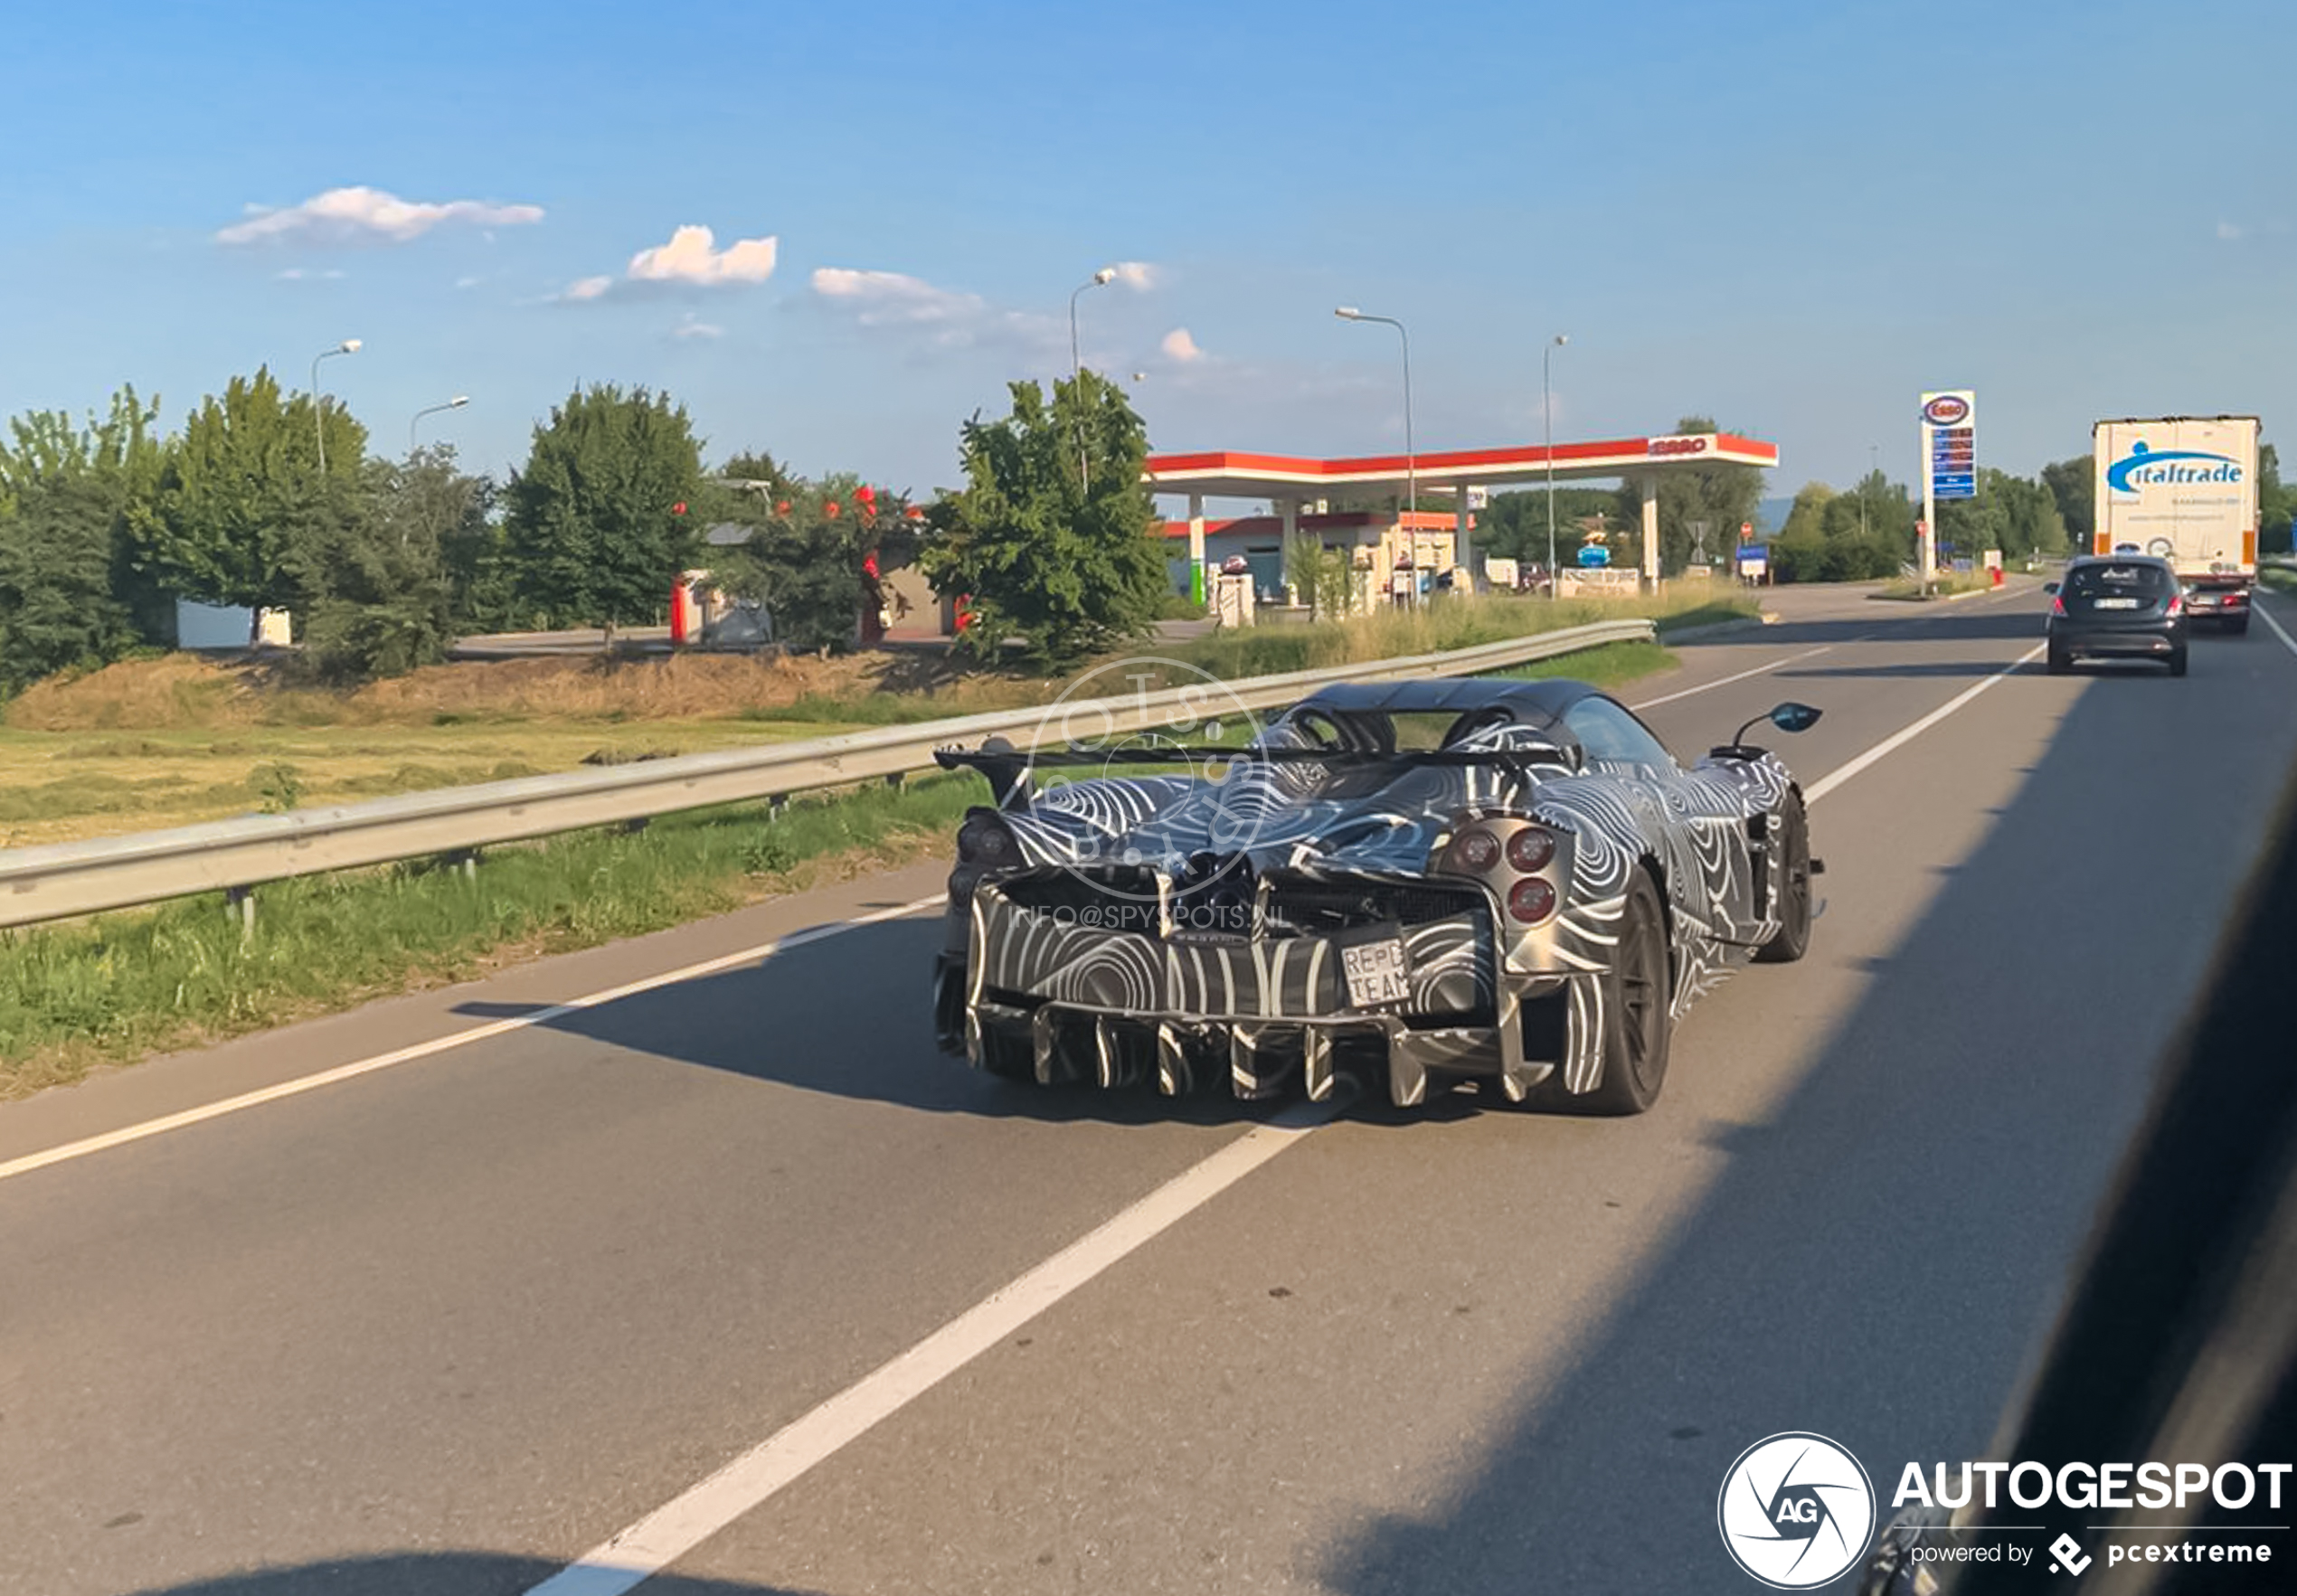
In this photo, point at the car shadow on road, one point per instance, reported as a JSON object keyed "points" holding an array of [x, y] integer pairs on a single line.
{"points": [[1881, 1252], [850, 1015], [431, 1573], [1992, 623]]}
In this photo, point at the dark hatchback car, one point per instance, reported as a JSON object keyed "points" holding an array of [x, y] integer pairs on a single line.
{"points": [[2117, 607]]}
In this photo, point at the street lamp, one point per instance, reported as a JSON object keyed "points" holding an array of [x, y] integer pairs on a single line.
{"points": [[1101, 278], [1547, 416], [455, 403], [318, 405], [1411, 459], [1874, 470]]}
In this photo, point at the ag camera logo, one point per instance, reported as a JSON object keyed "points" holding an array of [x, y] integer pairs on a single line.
{"points": [[1796, 1511]]}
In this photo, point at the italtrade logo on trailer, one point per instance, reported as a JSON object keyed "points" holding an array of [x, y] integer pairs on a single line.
{"points": [[1797, 1511], [2144, 467]]}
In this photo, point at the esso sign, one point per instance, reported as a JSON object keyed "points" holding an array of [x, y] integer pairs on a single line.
{"points": [[1695, 445], [1946, 410]]}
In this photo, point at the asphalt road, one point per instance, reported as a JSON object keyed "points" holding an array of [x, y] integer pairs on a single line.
{"points": [[453, 1323]]}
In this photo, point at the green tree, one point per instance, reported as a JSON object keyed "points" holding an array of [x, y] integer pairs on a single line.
{"points": [[810, 550], [70, 497], [1324, 575], [1054, 536], [374, 592], [597, 530], [1721, 496], [2275, 503], [1855, 536], [240, 486], [1514, 525], [2072, 489], [432, 499]]}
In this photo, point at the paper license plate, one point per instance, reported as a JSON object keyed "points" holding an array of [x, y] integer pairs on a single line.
{"points": [[1376, 973], [2117, 604]]}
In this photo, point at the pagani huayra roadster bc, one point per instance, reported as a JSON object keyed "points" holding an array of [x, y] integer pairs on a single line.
{"points": [[1414, 884]]}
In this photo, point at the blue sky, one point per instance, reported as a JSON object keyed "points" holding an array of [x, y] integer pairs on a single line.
{"points": [[1794, 217]]}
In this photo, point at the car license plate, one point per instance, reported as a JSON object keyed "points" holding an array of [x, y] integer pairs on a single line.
{"points": [[1376, 973], [2117, 604]]}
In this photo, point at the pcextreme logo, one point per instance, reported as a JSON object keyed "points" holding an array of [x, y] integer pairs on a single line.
{"points": [[1796, 1510]]}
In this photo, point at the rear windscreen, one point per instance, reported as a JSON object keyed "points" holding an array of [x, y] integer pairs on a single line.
{"points": [[2091, 581]]}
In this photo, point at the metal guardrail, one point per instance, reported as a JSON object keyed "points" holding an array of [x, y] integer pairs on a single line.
{"points": [[57, 880]]}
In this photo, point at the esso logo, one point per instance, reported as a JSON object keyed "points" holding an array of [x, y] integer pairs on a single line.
{"points": [[1677, 445], [1946, 409]]}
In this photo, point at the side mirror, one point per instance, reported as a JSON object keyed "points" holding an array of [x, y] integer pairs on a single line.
{"points": [[2049, 590], [1787, 717]]}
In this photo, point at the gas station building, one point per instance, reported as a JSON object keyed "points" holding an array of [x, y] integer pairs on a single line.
{"points": [[1300, 490]]}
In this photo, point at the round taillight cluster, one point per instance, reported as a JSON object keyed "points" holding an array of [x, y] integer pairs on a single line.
{"points": [[1531, 849], [1531, 900], [1479, 850]]}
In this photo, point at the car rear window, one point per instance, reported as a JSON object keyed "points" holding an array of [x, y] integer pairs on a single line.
{"points": [[2091, 581]]}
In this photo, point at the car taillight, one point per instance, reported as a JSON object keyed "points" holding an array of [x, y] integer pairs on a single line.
{"points": [[1531, 849], [1531, 900], [984, 840], [1476, 851], [2176, 605], [2057, 604]]}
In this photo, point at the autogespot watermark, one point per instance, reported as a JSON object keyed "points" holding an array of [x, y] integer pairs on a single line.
{"points": [[1149, 716], [1798, 1510]]}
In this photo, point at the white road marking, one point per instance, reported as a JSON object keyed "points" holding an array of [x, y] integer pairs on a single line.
{"points": [[2287, 641], [1726, 681], [675, 1528], [1897, 740], [423, 1050]]}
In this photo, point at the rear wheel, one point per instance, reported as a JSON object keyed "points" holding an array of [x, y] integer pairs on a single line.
{"points": [[1636, 1025], [2060, 662], [1792, 863], [2238, 625], [2178, 663]]}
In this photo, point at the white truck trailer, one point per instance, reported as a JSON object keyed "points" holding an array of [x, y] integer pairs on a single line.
{"points": [[2184, 487]]}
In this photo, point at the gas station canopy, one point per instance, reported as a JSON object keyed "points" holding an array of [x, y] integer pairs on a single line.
{"points": [[1225, 474]]}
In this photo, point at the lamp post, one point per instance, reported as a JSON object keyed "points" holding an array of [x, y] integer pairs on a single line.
{"points": [[1101, 278], [1411, 459], [318, 405], [1547, 417], [455, 403], [1874, 470]]}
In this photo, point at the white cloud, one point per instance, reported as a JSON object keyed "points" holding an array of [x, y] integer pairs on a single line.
{"points": [[2229, 232], [1137, 275], [368, 215], [691, 260], [1178, 345], [691, 329], [884, 298], [295, 274]]}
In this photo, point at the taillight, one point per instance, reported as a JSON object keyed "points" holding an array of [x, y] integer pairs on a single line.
{"points": [[2176, 605], [2057, 604], [1477, 850], [1531, 900], [1531, 849], [984, 839]]}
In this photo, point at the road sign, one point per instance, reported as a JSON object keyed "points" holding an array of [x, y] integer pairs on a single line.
{"points": [[1746, 531]]}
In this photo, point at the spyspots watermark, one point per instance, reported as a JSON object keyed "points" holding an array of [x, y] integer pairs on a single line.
{"points": [[1796, 1511]]}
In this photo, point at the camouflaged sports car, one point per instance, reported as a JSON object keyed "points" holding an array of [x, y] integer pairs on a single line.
{"points": [[1511, 882]]}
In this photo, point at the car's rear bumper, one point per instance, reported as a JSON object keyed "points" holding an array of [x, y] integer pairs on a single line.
{"points": [[2157, 640]]}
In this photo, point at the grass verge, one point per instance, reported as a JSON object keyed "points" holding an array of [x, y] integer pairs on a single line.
{"points": [[116, 987]]}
